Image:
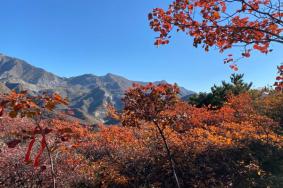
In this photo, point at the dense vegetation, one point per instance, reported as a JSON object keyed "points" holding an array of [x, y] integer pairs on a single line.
{"points": [[231, 137], [236, 145]]}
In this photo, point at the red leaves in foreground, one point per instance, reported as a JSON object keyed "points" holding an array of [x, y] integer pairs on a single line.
{"points": [[250, 25], [24, 105], [15, 142], [28, 152], [234, 67], [41, 150], [211, 148]]}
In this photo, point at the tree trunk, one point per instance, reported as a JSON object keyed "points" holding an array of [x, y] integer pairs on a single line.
{"points": [[49, 156], [169, 155]]}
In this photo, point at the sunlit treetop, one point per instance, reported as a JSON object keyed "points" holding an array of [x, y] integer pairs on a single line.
{"points": [[248, 24], [146, 103]]}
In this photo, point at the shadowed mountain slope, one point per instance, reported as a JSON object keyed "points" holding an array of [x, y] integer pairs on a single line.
{"points": [[88, 94]]}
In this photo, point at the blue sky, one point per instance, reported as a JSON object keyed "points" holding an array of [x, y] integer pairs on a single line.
{"points": [[73, 37]]}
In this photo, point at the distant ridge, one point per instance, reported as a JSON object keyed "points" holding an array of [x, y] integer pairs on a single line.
{"points": [[88, 94]]}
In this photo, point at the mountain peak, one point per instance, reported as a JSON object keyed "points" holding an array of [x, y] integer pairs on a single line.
{"points": [[110, 75], [88, 94], [114, 76]]}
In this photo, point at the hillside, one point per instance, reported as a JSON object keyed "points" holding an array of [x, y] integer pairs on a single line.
{"points": [[88, 94]]}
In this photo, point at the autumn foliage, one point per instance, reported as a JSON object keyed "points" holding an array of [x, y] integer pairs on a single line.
{"points": [[233, 146], [248, 24], [279, 79], [160, 140]]}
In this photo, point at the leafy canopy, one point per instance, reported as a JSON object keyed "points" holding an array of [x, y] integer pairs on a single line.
{"points": [[224, 24]]}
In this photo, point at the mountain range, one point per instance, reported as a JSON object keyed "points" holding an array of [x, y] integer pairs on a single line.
{"points": [[88, 94]]}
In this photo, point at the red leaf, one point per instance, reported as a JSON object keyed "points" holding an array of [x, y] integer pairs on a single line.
{"points": [[64, 138], [150, 16], [234, 67], [41, 150], [43, 168], [13, 143], [27, 157], [1, 110], [47, 131], [246, 54]]}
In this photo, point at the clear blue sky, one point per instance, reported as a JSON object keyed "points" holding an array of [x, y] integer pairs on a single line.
{"points": [[73, 37]]}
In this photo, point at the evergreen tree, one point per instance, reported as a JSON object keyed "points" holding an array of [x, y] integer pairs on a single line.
{"points": [[218, 95]]}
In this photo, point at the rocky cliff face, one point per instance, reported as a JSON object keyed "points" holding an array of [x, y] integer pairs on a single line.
{"points": [[88, 94]]}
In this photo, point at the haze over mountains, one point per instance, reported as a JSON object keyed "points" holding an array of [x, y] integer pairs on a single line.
{"points": [[88, 94]]}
